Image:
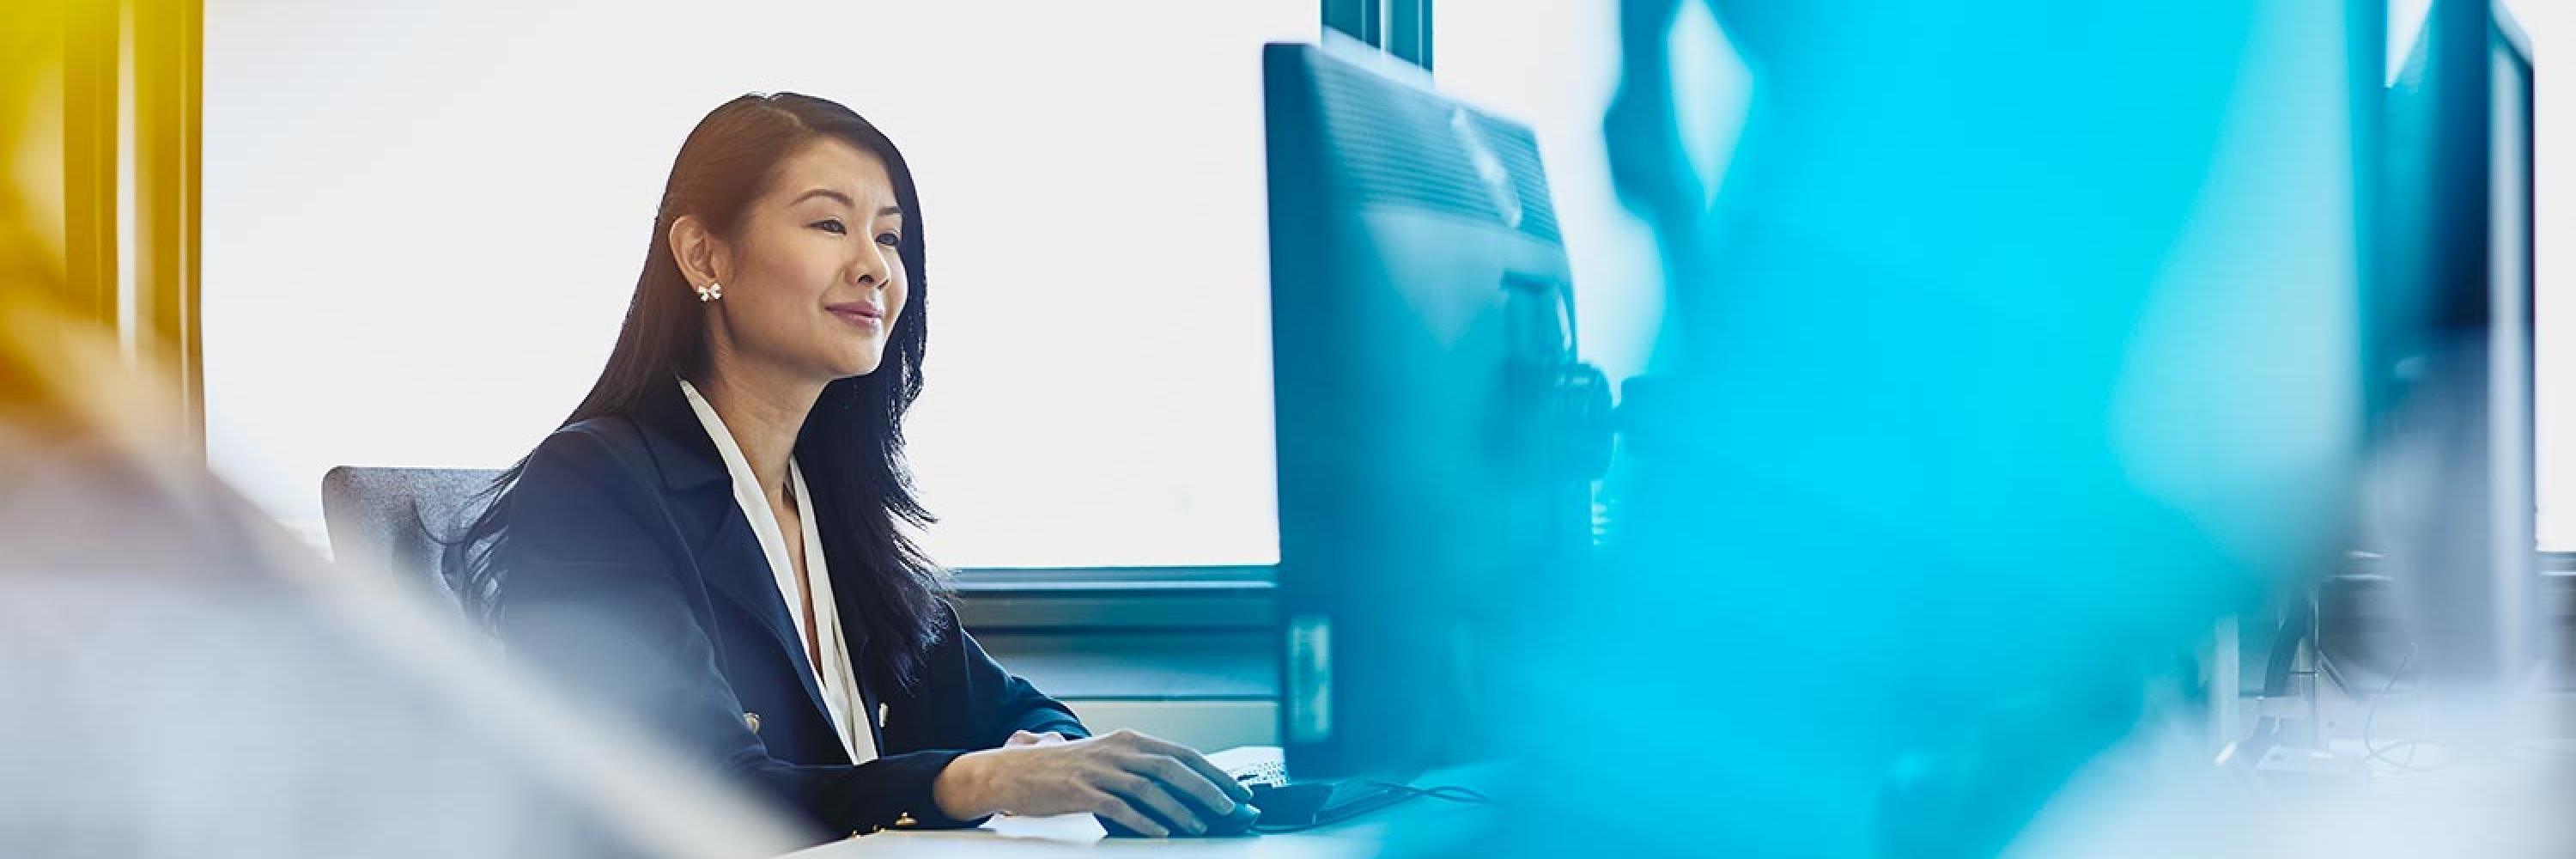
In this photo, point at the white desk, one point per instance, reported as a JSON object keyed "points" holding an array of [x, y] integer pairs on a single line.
{"points": [[1422, 826]]}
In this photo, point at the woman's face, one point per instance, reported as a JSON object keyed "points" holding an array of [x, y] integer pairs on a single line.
{"points": [[812, 283]]}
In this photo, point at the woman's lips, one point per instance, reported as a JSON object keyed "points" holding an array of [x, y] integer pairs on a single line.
{"points": [[865, 316]]}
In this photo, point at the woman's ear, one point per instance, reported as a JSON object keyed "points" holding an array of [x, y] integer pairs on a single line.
{"points": [[699, 253]]}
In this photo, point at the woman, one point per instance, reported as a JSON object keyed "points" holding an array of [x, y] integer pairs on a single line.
{"points": [[713, 543]]}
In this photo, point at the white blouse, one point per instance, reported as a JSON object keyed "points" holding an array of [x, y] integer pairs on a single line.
{"points": [[839, 682]]}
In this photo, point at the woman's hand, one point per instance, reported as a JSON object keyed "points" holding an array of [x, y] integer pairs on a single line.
{"points": [[1125, 777], [1024, 738]]}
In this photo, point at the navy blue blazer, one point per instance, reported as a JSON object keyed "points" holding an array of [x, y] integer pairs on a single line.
{"points": [[631, 576]]}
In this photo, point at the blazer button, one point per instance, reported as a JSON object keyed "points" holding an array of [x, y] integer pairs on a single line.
{"points": [[752, 721]]}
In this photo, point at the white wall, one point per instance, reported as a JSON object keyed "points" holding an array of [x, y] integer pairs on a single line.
{"points": [[2550, 24], [423, 221]]}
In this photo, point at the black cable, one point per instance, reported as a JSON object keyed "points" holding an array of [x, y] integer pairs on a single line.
{"points": [[2285, 647], [1451, 792], [2562, 754], [2371, 718]]}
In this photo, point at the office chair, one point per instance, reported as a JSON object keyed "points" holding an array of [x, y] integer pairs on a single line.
{"points": [[385, 518]]}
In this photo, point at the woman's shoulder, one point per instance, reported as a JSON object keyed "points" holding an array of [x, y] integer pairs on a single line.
{"points": [[616, 431], [588, 487], [603, 451]]}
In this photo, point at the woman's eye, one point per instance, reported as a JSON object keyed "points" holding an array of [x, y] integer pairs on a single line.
{"points": [[889, 239], [831, 225]]}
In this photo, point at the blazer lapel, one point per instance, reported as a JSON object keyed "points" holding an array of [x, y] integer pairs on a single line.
{"points": [[729, 560], [847, 593], [851, 589]]}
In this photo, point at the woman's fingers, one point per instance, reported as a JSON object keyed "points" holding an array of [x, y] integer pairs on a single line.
{"points": [[1183, 780], [1114, 809], [1150, 795], [1186, 756]]}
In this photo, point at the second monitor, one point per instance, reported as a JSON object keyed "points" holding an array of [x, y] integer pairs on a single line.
{"points": [[1437, 434]]}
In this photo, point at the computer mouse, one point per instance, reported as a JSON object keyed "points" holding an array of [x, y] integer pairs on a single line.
{"points": [[1218, 825], [1295, 804]]}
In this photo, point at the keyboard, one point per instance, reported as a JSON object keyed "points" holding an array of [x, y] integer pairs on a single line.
{"points": [[1253, 765]]}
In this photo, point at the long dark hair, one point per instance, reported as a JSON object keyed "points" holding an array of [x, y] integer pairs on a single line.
{"points": [[851, 447]]}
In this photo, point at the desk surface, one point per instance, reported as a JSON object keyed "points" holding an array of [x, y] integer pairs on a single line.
{"points": [[1421, 826]]}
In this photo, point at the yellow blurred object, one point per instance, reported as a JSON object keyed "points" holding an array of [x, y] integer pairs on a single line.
{"points": [[99, 97], [31, 139]]}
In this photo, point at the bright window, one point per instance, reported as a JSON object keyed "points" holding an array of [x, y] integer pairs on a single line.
{"points": [[423, 223]]}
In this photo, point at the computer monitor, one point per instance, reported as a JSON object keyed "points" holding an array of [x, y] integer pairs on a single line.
{"points": [[1437, 437]]}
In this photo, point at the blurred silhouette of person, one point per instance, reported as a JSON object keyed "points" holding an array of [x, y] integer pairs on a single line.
{"points": [[1911, 550]]}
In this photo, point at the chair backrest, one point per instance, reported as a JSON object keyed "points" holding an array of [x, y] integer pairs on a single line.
{"points": [[397, 518]]}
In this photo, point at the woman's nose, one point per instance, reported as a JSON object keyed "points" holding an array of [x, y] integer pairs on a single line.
{"points": [[873, 267]]}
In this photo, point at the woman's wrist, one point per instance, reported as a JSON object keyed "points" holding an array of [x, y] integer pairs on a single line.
{"points": [[963, 789]]}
